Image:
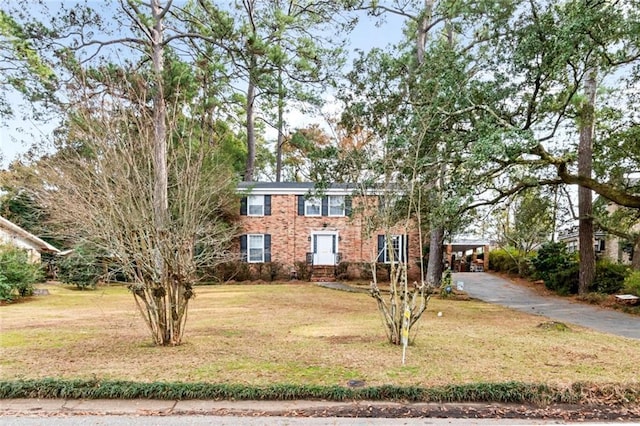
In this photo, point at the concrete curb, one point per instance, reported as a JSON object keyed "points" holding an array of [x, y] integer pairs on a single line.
{"points": [[308, 408], [166, 407]]}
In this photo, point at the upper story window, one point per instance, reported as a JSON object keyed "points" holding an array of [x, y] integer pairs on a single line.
{"points": [[312, 207], [336, 205], [328, 205], [255, 205]]}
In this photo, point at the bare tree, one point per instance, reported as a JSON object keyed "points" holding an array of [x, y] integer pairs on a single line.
{"points": [[406, 302], [101, 185], [395, 212], [134, 174]]}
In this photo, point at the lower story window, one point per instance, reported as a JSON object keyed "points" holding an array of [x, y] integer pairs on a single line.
{"points": [[398, 252], [256, 248]]}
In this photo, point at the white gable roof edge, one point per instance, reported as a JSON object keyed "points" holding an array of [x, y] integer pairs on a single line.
{"points": [[41, 244], [302, 188]]}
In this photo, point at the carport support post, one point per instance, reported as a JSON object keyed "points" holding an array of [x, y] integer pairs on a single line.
{"points": [[485, 251]]}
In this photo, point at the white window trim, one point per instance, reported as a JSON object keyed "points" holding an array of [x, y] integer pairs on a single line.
{"points": [[333, 197], [249, 204], [308, 202], [249, 248], [401, 249]]}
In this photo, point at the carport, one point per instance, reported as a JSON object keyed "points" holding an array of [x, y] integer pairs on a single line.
{"points": [[457, 254]]}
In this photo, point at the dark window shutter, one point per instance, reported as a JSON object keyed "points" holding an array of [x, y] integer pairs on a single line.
{"points": [[325, 206], [267, 247], [300, 205], [243, 248], [406, 249], [382, 255], [267, 205], [333, 244], [243, 206], [347, 205]]}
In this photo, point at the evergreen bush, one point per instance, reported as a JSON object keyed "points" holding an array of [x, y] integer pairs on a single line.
{"points": [[81, 268], [632, 283], [17, 274], [558, 268], [560, 271], [564, 281], [609, 277], [552, 257]]}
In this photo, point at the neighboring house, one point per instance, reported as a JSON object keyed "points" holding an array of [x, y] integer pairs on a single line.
{"points": [[289, 224], [606, 246], [10, 233]]}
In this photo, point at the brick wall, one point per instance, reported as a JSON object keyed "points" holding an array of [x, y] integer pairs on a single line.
{"points": [[291, 234]]}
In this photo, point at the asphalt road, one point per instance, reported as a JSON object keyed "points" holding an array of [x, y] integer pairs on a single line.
{"points": [[493, 289]]}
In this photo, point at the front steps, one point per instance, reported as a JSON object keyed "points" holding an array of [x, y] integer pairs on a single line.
{"points": [[323, 273]]}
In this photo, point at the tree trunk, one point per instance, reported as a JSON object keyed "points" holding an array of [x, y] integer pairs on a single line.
{"points": [[251, 137], [280, 141], [251, 130], [436, 250], [423, 28], [164, 304], [585, 196], [160, 197], [157, 309], [635, 259]]}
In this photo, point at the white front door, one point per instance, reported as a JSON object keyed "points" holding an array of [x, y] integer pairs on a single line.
{"points": [[324, 249]]}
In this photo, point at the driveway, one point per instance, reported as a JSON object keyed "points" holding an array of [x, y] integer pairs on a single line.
{"points": [[493, 289]]}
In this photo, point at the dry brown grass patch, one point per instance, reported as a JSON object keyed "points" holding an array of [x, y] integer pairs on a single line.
{"points": [[299, 334]]}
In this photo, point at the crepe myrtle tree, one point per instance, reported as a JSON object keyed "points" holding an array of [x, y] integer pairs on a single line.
{"points": [[99, 186], [391, 215], [135, 172], [406, 302]]}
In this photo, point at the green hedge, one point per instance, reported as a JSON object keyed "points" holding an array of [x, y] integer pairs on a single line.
{"points": [[502, 260], [609, 278], [509, 392]]}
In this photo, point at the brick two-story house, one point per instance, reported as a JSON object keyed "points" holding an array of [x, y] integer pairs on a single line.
{"points": [[292, 223]]}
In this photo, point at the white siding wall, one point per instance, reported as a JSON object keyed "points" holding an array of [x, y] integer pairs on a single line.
{"points": [[7, 237]]}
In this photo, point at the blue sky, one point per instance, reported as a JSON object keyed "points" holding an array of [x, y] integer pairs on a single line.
{"points": [[16, 135]]}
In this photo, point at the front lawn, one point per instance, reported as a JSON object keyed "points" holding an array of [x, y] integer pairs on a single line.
{"points": [[299, 334]]}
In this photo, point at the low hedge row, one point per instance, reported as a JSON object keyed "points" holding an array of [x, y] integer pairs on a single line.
{"points": [[509, 392]]}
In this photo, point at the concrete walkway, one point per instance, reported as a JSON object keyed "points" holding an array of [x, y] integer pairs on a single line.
{"points": [[493, 289]]}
